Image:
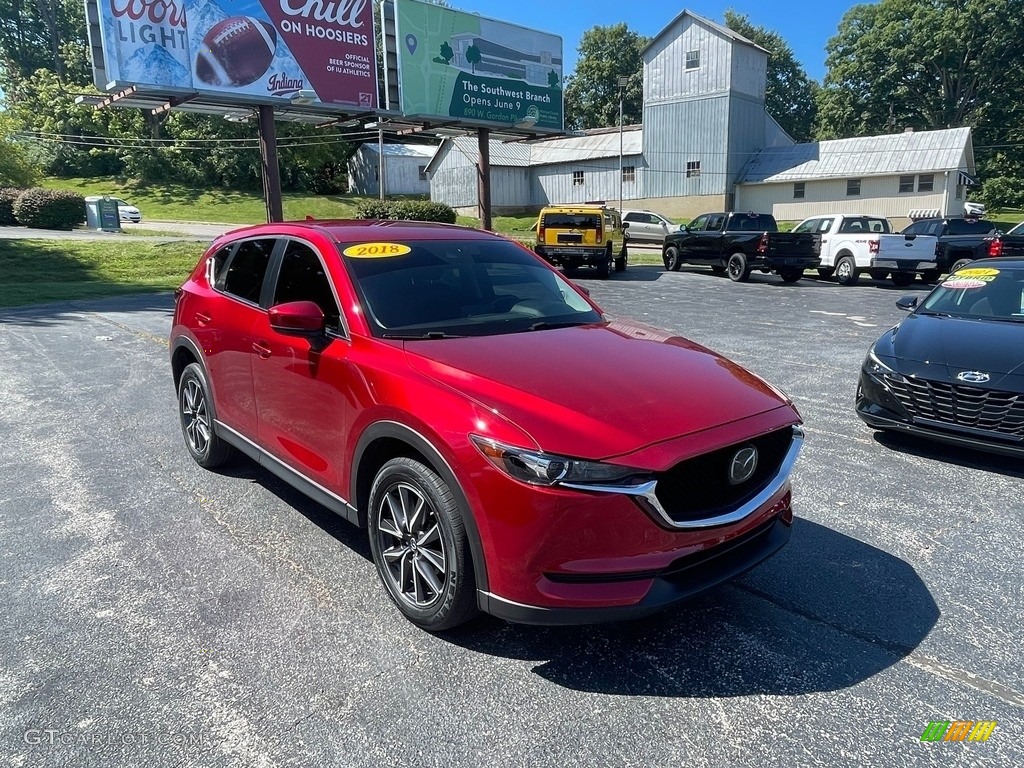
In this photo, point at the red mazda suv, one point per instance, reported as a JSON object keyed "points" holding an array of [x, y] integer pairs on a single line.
{"points": [[508, 447]]}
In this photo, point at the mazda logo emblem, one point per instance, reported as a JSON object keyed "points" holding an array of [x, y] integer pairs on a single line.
{"points": [[743, 464], [973, 377]]}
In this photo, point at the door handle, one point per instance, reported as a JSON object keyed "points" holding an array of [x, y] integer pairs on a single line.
{"points": [[202, 319], [259, 349]]}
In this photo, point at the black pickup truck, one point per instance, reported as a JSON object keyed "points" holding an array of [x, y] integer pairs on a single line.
{"points": [[739, 243], [1009, 244], [961, 240]]}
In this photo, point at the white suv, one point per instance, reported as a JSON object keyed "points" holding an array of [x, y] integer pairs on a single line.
{"points": [[647, 226]]}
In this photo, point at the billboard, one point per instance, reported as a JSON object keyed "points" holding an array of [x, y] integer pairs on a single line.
{"points": [[460, 66], [249, 50]]}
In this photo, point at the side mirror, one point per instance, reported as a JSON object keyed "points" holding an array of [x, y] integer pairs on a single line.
{"points": [[297, 318], [625, 225], [906, 303]]}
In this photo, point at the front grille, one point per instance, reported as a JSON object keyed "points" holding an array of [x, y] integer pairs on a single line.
{"points": [[984, 409], [699, 487]]}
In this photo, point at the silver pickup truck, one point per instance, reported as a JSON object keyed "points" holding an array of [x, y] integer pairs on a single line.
{"points": [[852, 244]]}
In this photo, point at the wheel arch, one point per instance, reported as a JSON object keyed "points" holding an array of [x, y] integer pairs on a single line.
{"points": [[386, 440]]}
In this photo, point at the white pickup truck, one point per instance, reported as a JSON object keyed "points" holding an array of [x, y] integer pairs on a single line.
{"points": [[856, 243]]}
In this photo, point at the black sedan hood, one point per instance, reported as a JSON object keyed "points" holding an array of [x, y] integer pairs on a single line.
{"points": [[941, 348]]}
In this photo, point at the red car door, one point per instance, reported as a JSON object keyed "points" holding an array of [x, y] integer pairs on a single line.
{"points": [[229, 348], [302, 384]]}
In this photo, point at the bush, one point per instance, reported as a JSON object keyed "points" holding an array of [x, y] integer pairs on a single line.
{"points": [[7, 198], [1003, 192], [406, 210], [49, 208]]}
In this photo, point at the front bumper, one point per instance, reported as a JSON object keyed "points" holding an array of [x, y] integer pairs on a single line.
{"points": [[563, 555], [877, 408]]}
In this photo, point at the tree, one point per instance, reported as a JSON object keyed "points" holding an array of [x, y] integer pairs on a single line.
{"points": [[592, 91], [447, 53], [16, 170], [553, 81], [790, 95], [473, 56], [39, 34], [927, 64]]}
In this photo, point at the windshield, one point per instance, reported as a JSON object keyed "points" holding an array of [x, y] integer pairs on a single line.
{"points": [[434, 288], [979, 292]]}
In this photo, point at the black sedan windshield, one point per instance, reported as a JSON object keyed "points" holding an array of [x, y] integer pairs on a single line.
{"points": [[435, 289], [982, 292]]}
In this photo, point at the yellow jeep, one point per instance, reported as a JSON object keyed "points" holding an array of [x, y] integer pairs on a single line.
{"points": [[572, 236]]}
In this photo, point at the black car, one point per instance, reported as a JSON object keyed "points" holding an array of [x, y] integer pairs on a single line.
{"points": [[954, 369]]}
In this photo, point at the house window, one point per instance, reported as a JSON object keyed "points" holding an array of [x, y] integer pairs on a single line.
{"points": [[692, 59], [423, 173], [798, 190], [692, 169], [959, 191], [852, 187], [629, 173], [376, 173], [906, 184], [925, 182], [577, 178]]}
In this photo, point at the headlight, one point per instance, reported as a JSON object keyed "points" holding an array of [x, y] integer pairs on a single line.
{"points": [[547, 469], [874, 365]]}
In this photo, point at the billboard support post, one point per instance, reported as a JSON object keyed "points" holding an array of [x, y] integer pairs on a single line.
{"points": [[381, 167], [271, 170], [483, 138]]}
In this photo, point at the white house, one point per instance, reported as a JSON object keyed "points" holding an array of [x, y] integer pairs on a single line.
{"points": [[405, 169], [707, 144]]}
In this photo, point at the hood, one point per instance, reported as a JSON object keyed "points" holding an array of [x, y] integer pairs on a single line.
{"points": [[599, 391], [941, 347]]}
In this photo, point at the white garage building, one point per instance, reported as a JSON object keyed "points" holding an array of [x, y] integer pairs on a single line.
{"points": [[708, 144]]}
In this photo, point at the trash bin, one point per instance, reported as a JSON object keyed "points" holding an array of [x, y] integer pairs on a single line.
{"points": [[101, 213]]}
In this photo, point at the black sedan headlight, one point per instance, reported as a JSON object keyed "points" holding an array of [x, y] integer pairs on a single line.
{"points": [[874, 364]]}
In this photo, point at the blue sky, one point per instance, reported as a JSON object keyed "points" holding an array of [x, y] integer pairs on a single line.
{"points": [[804, 24]]}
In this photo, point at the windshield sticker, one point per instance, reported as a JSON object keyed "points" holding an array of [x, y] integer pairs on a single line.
{"points": [[376, 250], [978, 272], [958, 283]]}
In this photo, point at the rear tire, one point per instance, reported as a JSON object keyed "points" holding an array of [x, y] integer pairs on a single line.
{"points": [[737, 268], [621, 259], [672, 258], [790, 275], [902, 279], [195, 413], [846, 271], [418, 542]]}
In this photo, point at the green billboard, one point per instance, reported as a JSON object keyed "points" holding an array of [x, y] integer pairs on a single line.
{"points": [[459, 66]]}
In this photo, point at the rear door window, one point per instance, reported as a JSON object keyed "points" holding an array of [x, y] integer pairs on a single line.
{"points": [[248, 268]]}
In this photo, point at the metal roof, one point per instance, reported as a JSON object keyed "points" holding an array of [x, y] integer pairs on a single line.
{"points": [[910, 152], [601, 142], [404, 150], [719, 28]]}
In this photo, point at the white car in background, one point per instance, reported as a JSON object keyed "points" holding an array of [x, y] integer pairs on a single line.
{"points": [[127, 212], [647, 226], [974, 209]]}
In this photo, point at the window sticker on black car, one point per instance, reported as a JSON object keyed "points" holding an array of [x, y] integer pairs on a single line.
{"points": [[376, 250], [980, 273], [959, 283]]}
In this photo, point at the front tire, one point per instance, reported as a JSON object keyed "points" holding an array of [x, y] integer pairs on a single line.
{"points": [[195, 413], [846, 271], [418, 542], [737, 268]]}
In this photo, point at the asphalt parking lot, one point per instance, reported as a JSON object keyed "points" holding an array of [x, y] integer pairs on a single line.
{"points": [[158, 614]]}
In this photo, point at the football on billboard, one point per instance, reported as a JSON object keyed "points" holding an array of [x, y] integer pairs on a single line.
{"points": [[236, 52]]}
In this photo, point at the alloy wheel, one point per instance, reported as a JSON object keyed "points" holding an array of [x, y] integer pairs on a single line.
{"points": [[195, 417], [413, 550]]}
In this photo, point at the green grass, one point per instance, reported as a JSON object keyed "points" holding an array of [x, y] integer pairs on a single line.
{"points": [[37, 271], [176, 202]]}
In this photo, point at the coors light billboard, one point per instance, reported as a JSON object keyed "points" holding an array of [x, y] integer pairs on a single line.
{"points": [[249, 49]]}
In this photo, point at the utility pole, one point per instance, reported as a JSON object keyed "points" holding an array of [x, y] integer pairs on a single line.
{"points": [[483, 139], [622, 87]]}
